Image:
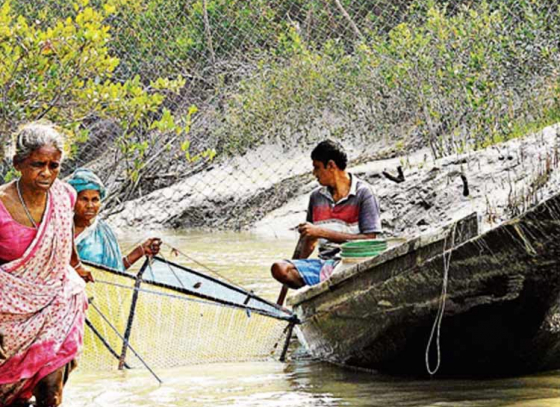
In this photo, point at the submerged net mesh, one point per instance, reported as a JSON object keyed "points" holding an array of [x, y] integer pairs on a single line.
{"points": [[179, 317]]}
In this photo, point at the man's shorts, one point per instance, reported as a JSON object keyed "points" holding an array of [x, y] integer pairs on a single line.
{"points": [[313, 271]]}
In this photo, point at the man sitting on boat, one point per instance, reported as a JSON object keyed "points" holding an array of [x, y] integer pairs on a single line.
{"points": [[96, 242], [344, 208]]}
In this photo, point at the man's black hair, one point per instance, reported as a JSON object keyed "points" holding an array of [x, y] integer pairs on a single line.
{"points": [[330, 150]]}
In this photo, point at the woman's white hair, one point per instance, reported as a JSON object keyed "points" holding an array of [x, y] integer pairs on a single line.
{"points": [[35, 135]]}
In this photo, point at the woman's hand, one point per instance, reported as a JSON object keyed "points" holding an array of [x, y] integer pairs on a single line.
{"points": [[84, 273], [151, 246], [3, 355]]}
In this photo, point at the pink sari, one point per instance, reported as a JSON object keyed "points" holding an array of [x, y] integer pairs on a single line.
{"points": [[42, 303]]}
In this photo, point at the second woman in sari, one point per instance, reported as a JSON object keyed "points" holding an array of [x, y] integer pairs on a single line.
{"points": [[95, 240]]}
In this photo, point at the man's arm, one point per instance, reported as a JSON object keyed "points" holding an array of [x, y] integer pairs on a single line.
{"points": [[309, 244], [313, 232], [369, 221]]}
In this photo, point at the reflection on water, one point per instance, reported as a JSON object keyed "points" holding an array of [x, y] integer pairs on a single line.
{"points": [[245, 259], [300, 383]]}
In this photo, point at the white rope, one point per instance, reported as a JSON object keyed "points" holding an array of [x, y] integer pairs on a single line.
{"points": [[170, 269], [204, 266], [439, 317]]}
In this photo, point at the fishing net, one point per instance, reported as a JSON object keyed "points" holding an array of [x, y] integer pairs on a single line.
{"points": [[168, 315]]}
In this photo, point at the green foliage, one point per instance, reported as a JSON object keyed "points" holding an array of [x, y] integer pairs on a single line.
{"points": [[286, 95], [63, 71], [457, 73], [166, 37], [190, 42], [461, 79], [11, 175]]}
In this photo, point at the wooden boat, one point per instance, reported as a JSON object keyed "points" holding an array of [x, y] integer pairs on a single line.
{"points": [[502, 307]]}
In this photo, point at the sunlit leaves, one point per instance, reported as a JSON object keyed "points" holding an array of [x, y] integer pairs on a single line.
{"points": [[63, 71]]}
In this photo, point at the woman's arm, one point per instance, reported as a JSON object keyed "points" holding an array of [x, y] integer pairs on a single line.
{"points": [[78, 266], [149, 248]]}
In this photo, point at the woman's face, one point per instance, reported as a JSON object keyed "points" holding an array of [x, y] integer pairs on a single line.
{"points": [[40, 168], [87, 206]]}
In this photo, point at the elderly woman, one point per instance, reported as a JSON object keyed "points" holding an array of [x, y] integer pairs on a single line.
{"points": [[96, 242], [42, 298]]}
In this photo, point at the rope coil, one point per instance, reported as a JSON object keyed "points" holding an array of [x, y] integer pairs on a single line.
{"points": [[436, 327]]}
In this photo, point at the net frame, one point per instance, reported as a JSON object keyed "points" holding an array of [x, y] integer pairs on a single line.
{"points": [[123, 341]]}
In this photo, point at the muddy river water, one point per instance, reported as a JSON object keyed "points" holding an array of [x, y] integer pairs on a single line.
{"points": [[301, 381]]}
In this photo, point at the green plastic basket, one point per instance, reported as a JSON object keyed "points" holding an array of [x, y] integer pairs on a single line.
{"points": [[352, 255], [364, 243], [363, 248]]}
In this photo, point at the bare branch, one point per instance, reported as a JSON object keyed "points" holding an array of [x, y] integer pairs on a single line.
{"points": [[348, 18], [208, 32]]}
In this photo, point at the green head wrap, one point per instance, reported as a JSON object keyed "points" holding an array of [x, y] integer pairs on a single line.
{"points": [[83, 179]]}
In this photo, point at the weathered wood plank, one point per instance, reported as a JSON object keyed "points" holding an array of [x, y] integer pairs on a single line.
{"points": [[502, 305]]}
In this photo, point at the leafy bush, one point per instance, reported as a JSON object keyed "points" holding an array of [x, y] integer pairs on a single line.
{"points": [[456, 74], [62, 70], [459, 80]]}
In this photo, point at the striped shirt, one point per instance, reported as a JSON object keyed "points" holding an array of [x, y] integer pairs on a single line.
{"points": [[357, 213]]}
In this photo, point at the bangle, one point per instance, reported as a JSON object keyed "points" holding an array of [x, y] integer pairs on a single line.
{"points": [[78, 265], [126, 261], [143, 251]]}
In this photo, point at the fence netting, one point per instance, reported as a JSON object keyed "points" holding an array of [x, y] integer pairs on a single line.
{"points": [[203, 112], [167, 315]]}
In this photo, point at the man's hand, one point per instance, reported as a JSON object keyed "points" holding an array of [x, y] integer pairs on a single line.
{"points": [[313, 233], [309, 230]]}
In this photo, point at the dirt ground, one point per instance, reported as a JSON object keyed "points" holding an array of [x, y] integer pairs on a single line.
{"points": [[498, 183]]}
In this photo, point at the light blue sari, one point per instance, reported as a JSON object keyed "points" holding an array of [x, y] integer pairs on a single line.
{"points": [[98, 245]]}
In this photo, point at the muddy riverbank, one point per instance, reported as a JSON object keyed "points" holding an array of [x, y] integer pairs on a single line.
{"points": [[497, 182]]}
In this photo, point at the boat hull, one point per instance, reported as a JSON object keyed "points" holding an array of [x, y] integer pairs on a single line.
{"points": [[501, 315]]}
